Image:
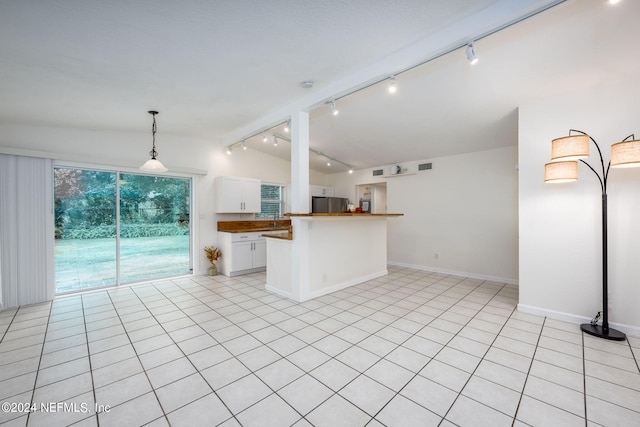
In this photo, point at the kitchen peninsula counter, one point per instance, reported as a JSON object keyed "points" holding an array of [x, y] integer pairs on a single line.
{"points": [[332, 252], [343, 214]]}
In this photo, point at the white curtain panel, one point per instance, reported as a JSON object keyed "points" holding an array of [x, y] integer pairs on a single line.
{"points": [[27, 273]]}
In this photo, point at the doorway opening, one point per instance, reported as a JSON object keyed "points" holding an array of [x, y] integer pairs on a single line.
{"points": [[372, 198]]}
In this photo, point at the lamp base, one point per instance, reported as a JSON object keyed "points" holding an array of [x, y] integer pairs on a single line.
{"points": [[596, 331]]}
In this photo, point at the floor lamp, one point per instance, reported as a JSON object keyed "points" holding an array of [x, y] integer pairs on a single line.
{"points": [[565, 154]]}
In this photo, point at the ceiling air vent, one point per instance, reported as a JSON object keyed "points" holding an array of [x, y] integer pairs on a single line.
{"points": [[378, 172], [425, 166]]}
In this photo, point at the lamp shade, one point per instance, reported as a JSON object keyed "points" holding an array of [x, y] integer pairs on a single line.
{"points": [[573, 147], [153, 165], [625, 154], [557, 172]]}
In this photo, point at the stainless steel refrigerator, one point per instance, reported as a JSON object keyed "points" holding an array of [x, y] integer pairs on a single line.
{"points": [[328, 204]]}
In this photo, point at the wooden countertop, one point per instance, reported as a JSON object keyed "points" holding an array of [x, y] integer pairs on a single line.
{"points": [[252, 226], [344, 214], [253, 230], [281, 236]]}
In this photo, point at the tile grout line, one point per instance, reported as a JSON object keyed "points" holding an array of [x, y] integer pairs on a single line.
{"points": [[44, 339], [93, 384], [332, 334], [13, 318], [185, 355], [264, 344], [384, 357], [396, 345], [390, 293], [139, 361], [444, 346], [476, 368], [633, 355], [526, 378]]}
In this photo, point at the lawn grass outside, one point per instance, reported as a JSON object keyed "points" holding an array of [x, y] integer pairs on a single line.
{"points": [[82, 264]]}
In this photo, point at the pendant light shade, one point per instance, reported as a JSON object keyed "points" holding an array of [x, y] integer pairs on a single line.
{"points": [[558, 172], [625, 154], [573, 147], [153, 165]]}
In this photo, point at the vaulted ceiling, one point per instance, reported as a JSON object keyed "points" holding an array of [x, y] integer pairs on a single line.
{"points": [[224, 70]]}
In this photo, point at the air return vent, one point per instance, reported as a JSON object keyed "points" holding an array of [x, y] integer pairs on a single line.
{"points": [[425, 166], [378, 172]]}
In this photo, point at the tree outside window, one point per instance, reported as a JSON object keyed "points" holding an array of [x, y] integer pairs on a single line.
{"points": [[271, 200]]}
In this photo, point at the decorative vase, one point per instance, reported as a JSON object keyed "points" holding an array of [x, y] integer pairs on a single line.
{"points": [[213, 270]]}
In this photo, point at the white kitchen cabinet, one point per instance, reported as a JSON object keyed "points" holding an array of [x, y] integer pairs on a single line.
{"points": [[237, 195], [242, 253], [321, 191]]}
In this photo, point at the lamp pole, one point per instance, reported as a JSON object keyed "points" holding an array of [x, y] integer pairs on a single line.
{"points": [[593, 328]]}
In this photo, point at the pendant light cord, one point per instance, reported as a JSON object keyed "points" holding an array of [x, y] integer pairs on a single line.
{"points": [[153, 153]]}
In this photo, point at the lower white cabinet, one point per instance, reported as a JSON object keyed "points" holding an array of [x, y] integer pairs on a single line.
{"points": [[242, 253]]}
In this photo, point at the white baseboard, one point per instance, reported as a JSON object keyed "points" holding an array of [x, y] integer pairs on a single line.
{"points": [[456, 273], [280, 292], [347, 284], [325, 291], [574, 318]]}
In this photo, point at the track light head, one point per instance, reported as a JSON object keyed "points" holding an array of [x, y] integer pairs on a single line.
{"points": [[350, 170], [244, 145], [264, 137], [393, 84], [287, 125], [275, 141], [229, 150], [471, 54], [334, 110], [329, 163]]}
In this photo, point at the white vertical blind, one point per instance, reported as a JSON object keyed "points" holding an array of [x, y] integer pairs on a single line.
{"points": [[26, 230]]}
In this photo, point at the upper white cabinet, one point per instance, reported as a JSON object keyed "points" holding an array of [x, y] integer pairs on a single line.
{"points": [[237, 195], [321, 191]]}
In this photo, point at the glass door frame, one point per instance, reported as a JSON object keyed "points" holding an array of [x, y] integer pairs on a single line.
{"points": [[117, 171]]}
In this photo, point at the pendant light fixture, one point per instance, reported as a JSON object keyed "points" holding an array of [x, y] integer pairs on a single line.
{"points": [[153, 164]]}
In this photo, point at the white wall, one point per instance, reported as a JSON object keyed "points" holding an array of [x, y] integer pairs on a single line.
{"points": [[464, 210], [560, 232], [129, 150], [1, 306]]}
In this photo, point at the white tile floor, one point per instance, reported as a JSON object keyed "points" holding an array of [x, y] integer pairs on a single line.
{"points": [[410, 349]]}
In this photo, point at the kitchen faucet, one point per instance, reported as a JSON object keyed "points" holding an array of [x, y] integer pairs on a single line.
{"points": [[275, 220]]}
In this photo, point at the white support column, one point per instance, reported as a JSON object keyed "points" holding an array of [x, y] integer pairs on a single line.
{"points": [[300, 203], [300, 162]]}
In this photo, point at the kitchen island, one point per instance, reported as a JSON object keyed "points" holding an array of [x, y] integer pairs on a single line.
{"points": [[326, 253]]}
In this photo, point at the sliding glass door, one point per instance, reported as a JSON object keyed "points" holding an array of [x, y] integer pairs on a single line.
{"points": [[114, 228], [85, 229], [154, 227]]}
